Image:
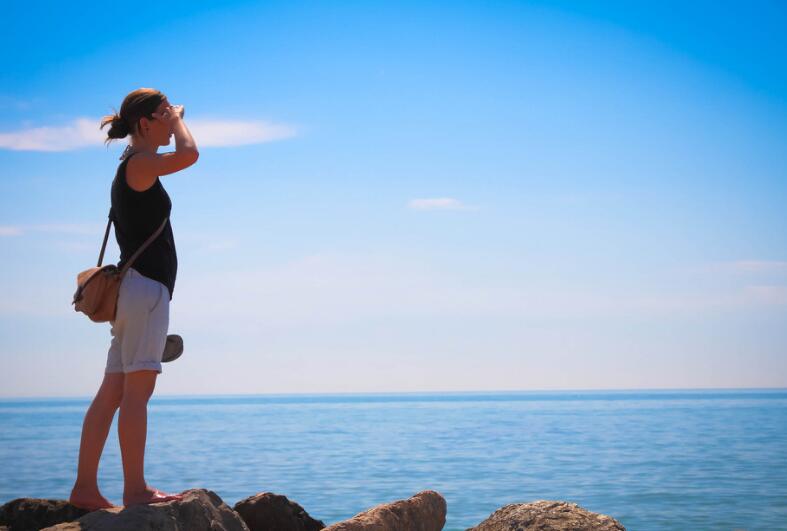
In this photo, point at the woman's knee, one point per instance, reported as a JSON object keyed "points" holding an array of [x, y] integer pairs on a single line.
{"points": [[111, 391], [138, 385]]}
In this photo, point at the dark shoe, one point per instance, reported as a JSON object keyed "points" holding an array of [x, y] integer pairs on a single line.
{"points": [[173, 348]]}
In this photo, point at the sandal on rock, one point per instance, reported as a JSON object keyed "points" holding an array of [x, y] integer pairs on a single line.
{"points": [[163, 499], [90, 508]]}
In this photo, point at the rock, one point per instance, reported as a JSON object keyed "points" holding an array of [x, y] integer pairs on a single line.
{"points": [[423, 512], [199, 509], [24, 514], [266, 511], [543, 515]]}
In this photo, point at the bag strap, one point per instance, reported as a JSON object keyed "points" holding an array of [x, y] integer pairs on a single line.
{"points": [[106, 236], [136, 254], [147, 242]]}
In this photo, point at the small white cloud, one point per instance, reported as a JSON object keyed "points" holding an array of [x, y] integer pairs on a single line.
{"points": [[76, 247], [82, 132], [218, 133], [768, 294], [70, 228], [59, 228], [758, 266], [439, 203], [11, 102], [203, 241], [221, 245], [326, 289], [7, 230], [85, 132]]}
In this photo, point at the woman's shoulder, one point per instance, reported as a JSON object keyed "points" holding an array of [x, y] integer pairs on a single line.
{"points": [[121, 168], [123, 175]]}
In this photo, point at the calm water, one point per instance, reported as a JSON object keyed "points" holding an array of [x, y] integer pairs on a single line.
{"points": [[684, 460]]}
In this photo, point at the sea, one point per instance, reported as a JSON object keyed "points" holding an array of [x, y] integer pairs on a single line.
{"points": [[686, 460]]}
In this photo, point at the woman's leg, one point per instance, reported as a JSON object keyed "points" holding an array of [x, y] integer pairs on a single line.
{"points": [[132, 430], [95, 429]]}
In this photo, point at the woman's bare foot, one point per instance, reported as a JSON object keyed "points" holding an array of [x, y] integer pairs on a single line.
{"points": [[149, 495], [89, 499]]}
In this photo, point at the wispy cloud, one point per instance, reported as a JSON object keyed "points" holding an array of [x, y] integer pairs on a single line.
{"points": [[80, 133], [439, 203], [195, 242], [85, 132], [7, 230], [11, 102], [224, 133], [767, 294], [203, 241], [340, 288], [327, 289], [758, 266], [58, 228]]}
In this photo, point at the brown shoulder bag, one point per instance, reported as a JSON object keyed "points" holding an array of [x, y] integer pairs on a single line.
{"points": [[97, 288]]}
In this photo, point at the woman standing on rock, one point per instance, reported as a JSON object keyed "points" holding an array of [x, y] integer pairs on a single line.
{"points": [[139, 206]]}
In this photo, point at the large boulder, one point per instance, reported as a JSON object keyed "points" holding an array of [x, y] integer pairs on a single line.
{"points": [[23, 514], [423, 512], [544, 515], [198, 509], [266, 511]]}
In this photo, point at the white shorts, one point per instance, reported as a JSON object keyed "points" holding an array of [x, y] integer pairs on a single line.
{"points": [[139, 331]]}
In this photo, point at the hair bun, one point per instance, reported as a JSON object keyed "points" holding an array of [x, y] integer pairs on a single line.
{"points": [[119, 127], [138, 104], [120, 123]]}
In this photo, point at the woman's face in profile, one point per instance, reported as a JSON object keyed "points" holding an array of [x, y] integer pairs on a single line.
{"points": [[158, 131]]}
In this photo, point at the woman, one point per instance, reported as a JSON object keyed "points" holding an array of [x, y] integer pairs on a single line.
{"points": [[139, 206]]}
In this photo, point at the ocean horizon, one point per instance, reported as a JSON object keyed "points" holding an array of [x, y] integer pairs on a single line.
{"points": [[490, 393], [653, 459]]}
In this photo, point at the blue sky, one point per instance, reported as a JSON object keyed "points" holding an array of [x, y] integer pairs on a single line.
{"points": [[413, 196]]}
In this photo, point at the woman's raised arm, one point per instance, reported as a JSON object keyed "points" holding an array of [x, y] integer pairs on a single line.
{"points": [[148, 166]]}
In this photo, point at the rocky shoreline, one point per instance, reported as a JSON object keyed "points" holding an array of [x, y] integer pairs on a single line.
{"points": [[202, 509]]}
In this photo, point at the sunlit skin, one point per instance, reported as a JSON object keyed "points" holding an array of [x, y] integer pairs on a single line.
{"points": [[154, 133], [127, 392]]}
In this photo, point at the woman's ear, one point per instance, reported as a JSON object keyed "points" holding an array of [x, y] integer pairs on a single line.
{"points": [[143, 125]]}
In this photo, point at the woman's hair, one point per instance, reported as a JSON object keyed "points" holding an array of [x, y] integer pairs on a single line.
{"points": [[138, 103]]}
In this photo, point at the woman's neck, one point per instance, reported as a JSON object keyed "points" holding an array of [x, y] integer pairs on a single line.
{"points": [[136, 148]]}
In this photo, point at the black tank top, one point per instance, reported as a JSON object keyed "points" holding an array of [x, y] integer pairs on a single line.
{"points": [[137, 215]]}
